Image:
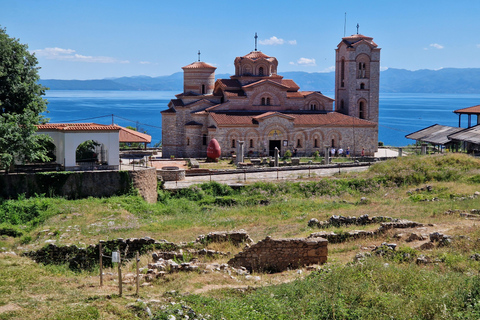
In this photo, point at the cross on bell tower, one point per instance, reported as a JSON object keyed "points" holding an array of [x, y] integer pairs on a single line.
{"points": [[256, 37], [358, 26], [198, 55]]}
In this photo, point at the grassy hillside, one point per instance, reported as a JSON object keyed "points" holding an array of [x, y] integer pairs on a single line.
{"points": [[384, 286]]}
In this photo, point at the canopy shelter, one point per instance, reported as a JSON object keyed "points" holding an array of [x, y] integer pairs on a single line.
{"points": [[436, 134], [68, 136], [470, 137], [132, 136], [475, 110]]}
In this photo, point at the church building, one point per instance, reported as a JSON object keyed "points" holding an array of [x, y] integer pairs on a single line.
{"points": [[265, 111]]}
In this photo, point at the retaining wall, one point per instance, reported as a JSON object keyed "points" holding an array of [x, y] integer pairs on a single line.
{"points": [[75, 185], [281, 254]]}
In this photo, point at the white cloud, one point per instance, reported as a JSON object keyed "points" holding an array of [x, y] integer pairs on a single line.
{"points": [[273, 41], [306, 62], [383, 68], [70, 55], [145, 62], [292, 63], [436, 46], [329, 69]]}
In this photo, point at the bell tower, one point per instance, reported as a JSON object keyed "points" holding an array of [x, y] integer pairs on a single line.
{"points": [[357, 77]]}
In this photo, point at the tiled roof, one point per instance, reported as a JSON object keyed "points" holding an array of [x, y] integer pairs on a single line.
{"points": [[128, 135], [230, 83], [471, 135], [233, 120], [255, 55], [291, 84], [77, 127], [471, 110], [436, 134], [271, 113], [177, 102], [169, 110], [199, 65], [234, 93], [256, 83], [353, 39], [299, 119]]}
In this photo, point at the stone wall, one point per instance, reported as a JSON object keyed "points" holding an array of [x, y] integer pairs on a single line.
{"points": [[86, 258], [75, 185], [281, 254], [235, 237]]}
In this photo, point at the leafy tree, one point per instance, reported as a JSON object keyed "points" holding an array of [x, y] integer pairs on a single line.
{"points": [[21, 104]]}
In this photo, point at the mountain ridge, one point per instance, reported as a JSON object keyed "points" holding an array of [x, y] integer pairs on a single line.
{"points": [[447, 80]]}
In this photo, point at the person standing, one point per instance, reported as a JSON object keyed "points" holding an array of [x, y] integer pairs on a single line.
{"points": [[332, 152], [347, 152]]}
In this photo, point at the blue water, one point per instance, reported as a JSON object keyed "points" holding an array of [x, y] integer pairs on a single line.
{"points": [[400, 113]]}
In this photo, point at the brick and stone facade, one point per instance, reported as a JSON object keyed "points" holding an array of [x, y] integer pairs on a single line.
{"points": [[259, 107]]}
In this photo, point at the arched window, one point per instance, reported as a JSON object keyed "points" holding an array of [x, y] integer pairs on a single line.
{"points": [[315, 143], [313, 106], [188, 141], [233, 143], [204, 139], [362, 86], [361, 110], [342, 73], [203, 89], [268, 101], [342, 104], [263, 101], [260, 71], [299, 143], [333, 143], [251, 143]]}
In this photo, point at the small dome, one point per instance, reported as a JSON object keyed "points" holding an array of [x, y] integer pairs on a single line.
{"points": [[255, 55], [199, 65]]}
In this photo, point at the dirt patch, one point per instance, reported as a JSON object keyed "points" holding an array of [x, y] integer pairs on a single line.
{"points": [[159, 164], [9, 308]]}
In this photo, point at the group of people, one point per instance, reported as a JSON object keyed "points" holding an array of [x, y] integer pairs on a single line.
{"points": [[334, 152]]}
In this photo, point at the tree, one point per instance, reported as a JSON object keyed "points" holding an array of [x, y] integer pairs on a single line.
{"points": [[21, 104]]}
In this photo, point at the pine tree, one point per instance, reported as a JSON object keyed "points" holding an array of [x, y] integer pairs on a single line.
{"points": [[21, 104]]}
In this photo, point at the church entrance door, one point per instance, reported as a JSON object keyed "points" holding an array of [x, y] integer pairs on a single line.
{"points": [[272, 145]]}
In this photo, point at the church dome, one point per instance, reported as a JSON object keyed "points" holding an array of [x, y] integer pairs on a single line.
{"points": [[256, 64], [199, 65]]}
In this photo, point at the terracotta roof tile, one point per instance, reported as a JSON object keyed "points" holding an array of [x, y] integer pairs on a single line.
{"points": [[128, 135], [300, 119], [230, 83], [78, 127], [471, 110], [291, 84], [255, 55], [199, 65]]}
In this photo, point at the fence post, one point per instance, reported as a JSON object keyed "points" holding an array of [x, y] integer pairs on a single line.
{"points": [[137, 261], [120, 273], [101, 262]]}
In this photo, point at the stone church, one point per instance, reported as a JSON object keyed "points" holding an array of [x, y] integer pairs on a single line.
{"points": [[260, 108]]}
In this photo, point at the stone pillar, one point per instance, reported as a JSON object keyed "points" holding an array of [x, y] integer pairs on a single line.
{"points": [[424, 149], [240, 147], [327, 155], [276, 157], [400, 152]]}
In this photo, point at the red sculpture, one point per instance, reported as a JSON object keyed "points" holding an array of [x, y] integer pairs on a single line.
{"points": [[213, 150]]}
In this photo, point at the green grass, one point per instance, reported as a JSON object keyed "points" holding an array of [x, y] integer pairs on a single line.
{"points": [[392, 286]]}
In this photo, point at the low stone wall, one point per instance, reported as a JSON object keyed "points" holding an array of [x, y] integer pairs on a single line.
{"points": [[338, 221], [236, 237], [86, 258], [333, 237], [171, 174], [75, 185], [281, 254]]}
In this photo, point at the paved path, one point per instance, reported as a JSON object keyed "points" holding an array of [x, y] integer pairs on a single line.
{"points": [[247, 177]]}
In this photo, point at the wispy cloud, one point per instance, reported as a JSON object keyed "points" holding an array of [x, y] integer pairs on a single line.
{"points": [[274, 41], [70, 55], [436, 46], [306, 62], [145, 62]]}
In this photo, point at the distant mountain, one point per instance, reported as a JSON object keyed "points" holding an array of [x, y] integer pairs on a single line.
{"points": [[449, 80]]}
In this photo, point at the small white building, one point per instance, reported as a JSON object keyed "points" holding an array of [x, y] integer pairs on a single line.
{"points": [[68, 136]]}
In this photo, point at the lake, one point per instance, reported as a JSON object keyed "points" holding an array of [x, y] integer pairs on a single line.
{"points": [[400, 113]]}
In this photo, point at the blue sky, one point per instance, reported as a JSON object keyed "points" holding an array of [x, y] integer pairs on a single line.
{"points": [[100, 39]]}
